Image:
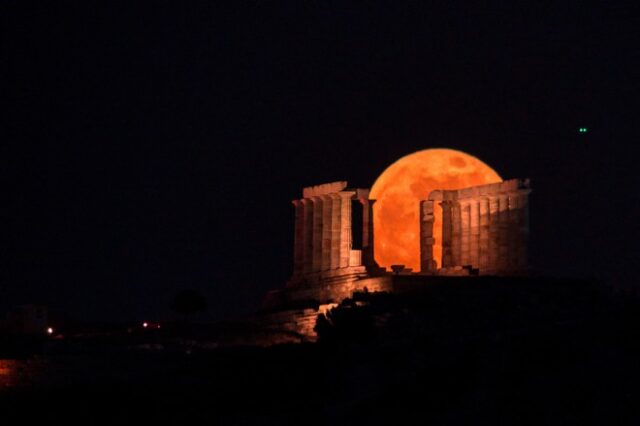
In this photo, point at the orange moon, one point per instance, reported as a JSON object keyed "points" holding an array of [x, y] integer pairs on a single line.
{"points": [[401, 187]]}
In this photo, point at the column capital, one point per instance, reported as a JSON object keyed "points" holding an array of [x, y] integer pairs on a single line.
{"points": [[346, 194]]}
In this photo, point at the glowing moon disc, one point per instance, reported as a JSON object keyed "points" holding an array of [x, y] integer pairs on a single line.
{"points": [[398, 191]]}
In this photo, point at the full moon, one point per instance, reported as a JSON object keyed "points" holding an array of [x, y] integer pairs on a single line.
{"points": [[401, 187]]}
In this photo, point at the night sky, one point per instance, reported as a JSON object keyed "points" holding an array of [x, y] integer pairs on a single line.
{"points": [[156, 146]]}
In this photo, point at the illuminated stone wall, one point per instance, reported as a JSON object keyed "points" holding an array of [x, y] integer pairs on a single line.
{"points": [[280, 311]]}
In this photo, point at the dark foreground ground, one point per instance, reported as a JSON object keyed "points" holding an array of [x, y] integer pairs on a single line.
{"points": [[458, 356]]}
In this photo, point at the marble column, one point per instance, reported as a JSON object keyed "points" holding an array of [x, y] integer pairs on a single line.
{"points": [[447, 257], [513, 239], [483, 244], [307, 256], [465, 232], [345, 227], [522, 227], [456, 227], [494, 232], [427, 263], [503, 239], [336, 222], [474, 237], [327, 206], [317, 234], [367, 232]]}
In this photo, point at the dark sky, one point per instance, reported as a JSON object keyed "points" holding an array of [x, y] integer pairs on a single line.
{"points": [[156, 146]]}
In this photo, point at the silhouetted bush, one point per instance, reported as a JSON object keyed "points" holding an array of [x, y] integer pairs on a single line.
{"points": [[346, 322]]}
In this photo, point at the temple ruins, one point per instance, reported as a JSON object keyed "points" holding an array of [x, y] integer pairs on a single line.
{"points": [[483, 227], [324, 246], [484, 232]]}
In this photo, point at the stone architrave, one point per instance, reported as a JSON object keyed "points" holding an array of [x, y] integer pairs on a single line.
{"points": [[324, 189]]}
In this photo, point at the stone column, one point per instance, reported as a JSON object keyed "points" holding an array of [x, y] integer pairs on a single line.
{"points": [[456, 248], [345, 227], [317, 234], [327, 205], [465, 232], [336, 222], [367, 232], [427, 263], [503, 227], [494, 219], [483, 244], [298, 238], [307, 256], [513, 233], [447, 231], [474, 237]]}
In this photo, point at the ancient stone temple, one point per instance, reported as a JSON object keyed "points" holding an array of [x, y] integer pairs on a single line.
{"points": [[324, 245], [484, 232], [484, 229], [333, 243]]}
